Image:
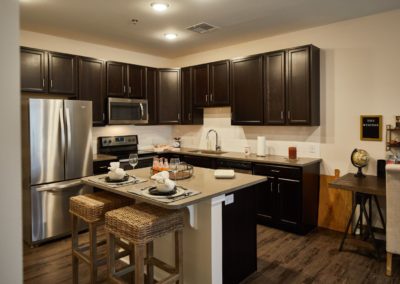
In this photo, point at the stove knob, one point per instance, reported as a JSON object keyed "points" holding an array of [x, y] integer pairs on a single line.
{"points": [[109, 141]]}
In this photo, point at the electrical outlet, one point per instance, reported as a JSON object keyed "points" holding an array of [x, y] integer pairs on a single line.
{"points": [[312, 149]]}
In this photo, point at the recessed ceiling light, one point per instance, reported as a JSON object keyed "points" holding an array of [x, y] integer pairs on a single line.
{"points": [[170, 36], [159, 7]]}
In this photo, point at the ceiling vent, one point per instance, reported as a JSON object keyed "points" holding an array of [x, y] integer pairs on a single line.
{"points": [[202, 28]]}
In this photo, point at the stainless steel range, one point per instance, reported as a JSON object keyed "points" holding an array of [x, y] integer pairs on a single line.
{"points": [[122, 147]]}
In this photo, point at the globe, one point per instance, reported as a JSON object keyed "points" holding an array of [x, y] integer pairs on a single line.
{"points": [[359, 158]]}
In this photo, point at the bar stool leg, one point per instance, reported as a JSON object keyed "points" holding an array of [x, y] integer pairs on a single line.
{"points": [[93, 252], [139, 263], [111, 255], [74, 241], [179, 254], [132, 262], [389, 264], [150, 267]]}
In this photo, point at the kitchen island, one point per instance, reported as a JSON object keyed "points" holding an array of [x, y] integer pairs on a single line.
{"points": [[220, 226]]}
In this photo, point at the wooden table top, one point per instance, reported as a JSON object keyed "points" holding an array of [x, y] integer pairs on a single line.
{"points": [[203, 180], [368, 184]]}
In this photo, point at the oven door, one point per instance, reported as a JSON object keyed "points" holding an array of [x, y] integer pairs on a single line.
{"points": [[144, 162], [127, 111]]}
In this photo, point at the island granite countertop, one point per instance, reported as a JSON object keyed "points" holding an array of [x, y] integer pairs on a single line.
{"points": [[203, 180]]}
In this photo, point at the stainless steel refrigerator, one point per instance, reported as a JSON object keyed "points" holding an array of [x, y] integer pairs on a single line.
{"points": [[59, 142]]}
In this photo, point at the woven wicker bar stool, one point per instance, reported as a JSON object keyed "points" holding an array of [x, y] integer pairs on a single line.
{"points": [[91, 209], [140, 224]]}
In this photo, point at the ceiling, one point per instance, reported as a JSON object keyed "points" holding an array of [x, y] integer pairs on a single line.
{"points": [[108, 22]]}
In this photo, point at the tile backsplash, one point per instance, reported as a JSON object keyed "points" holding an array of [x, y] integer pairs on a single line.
{"points": [[235, 138]]}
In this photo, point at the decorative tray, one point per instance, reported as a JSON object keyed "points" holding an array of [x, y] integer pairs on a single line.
{"points": [[184, 171]]}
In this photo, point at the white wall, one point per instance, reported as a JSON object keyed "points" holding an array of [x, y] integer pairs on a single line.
{"points": [[61, 44], [360, 62], [10, 150]]}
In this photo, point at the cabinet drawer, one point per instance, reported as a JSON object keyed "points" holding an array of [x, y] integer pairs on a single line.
{"points": [[101, 167], [277, 171]]}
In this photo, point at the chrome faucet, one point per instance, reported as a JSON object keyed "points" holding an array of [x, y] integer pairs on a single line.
{"points": [[217, 147]]}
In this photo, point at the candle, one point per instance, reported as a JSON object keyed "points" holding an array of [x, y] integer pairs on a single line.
{"points": [[292, 153]]}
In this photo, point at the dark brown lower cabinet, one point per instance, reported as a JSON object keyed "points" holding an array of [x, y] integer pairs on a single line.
{"points": [[289, 199], [197, 161], [239, 236]]}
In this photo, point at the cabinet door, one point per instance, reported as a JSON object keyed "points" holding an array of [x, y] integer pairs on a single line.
{"points": [[186, 93], [298, 86], [151, 94], [239, 237], [219, 83], [247, 91], [274, 77], [266, 200], [92, 86], [136, 82], [62, 73], [33, 70], [200, 85], [168, 98], [116, 79], [289, 192]]}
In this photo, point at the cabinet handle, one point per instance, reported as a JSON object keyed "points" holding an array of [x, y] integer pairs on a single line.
{"points": [[288, 114], [104, 116], [190, 116], [51, 84], [179, 116], [130, 90], [124, 89], [43, 82], [282, 115], [270, 188], [211, 97], [206, 98], [275, 171], [279, 188]]}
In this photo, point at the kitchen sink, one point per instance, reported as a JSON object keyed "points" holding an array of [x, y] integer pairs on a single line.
{"points": [[208, 152]]}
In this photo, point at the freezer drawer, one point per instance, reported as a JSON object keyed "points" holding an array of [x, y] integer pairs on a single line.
{"points": [[50, 209]]}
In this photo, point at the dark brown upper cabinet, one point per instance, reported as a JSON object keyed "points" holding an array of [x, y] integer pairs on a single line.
{"points": [[62, 73], [92, 86], [190, 115], [151, 94], [247, 90], [302, 79], [211, 84], [275, 88], [126, 80], [116, 79], [136, 81], [48, 72], [33, 70], [168, 96]]}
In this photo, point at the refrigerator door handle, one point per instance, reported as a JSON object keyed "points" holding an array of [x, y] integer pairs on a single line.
{"points": [[68, 130], [58, 187], [62, 131]]}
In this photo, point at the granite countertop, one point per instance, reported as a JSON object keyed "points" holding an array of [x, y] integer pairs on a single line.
{"points": [[268, 159], [203, 180], [102, 157]]}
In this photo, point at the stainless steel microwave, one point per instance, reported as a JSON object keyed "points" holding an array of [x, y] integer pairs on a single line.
{"points": [[127, 111]]}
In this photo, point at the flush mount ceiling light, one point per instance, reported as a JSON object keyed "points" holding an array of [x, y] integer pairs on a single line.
{"points": [[159, 7], [170, 36]]}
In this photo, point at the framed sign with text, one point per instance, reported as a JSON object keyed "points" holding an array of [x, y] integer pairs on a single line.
{"points": [[371, 127]]}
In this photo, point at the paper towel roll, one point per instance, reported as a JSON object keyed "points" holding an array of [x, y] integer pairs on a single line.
{"points": [[261, 146]]}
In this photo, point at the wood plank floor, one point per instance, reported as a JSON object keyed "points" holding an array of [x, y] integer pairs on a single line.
{"points": [[282, 258]]}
